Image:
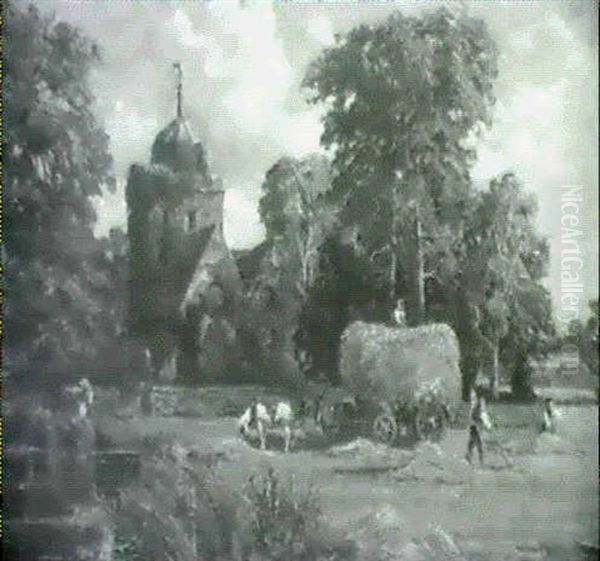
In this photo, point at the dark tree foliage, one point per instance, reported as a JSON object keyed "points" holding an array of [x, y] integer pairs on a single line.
{"points": [[345, 291], [118, 359], [269, 318], [589, 346], [56, 160], [298, 218], [584, 335]]}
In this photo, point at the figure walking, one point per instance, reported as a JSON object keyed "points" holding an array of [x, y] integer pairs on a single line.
{"points": [[478, 421], [256, 416], [548, 422]]}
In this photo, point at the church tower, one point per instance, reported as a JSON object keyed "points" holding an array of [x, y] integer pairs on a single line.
{"points": [[179, 257]]}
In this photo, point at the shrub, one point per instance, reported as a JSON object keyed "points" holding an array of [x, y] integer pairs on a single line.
{"points": [[177, 509], [284, 522], [126, 549]]}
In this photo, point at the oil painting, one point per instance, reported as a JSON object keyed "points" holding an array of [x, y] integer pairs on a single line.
{"points": [[300, 280]]}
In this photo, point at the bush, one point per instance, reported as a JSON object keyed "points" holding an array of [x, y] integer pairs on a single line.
{"points": [[177, 509], [126, 549], [284, 523]]}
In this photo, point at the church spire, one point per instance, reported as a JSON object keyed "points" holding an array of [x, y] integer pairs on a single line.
{"points": [[177, 66]]}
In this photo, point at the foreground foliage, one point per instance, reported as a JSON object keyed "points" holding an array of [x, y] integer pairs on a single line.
{"points": [[61, 283], [286, 522], [180, 509]]}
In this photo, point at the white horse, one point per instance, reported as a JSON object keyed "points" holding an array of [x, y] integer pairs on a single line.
{"points": [[81, 395], [260, 417], [284, 417]]}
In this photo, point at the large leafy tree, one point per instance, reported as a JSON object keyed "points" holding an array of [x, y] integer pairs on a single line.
{"points": [[297, 218], [296, 213], [503, 263], [404, 100], [56, 161]]}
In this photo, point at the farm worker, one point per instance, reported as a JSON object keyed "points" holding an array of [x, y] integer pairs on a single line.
{"points": [[147, 362], [400, 314], [255, 416], [478, 420], [87, 391], [548, 422], [248, 419], [80, 395]]}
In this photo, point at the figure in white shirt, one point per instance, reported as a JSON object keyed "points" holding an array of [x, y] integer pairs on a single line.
{"points": [[549, 416], [479, 420]]}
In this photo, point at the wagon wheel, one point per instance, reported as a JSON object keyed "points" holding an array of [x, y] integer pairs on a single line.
{"points": [[405, 421], [331, 427], [330, 424], [405, 428], [385, 428]]}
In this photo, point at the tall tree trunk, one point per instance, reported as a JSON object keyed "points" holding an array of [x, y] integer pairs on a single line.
{"points": [[495, 377], [303, 255], [419, 275], [394, 247], [393, 266]]}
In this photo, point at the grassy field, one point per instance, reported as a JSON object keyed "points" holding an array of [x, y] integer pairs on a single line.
{"points": [[537, 506]]}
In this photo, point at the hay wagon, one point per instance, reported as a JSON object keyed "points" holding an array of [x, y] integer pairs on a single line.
{"points": [[399, 421], [400, 385]]}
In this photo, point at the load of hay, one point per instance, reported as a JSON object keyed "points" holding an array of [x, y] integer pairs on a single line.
{"points": [[379, 363]]}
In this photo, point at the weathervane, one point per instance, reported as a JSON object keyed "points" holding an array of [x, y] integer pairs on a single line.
{"points": [[177, 66]]}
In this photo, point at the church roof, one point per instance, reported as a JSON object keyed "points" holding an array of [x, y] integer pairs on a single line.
{"points": [[249, 260], [176, 148], [215, 264]]}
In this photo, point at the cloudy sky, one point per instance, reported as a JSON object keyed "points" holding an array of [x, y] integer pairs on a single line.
{"points": [[243, 62]]}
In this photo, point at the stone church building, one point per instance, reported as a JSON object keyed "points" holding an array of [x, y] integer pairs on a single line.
{"points": [[185, 287]]}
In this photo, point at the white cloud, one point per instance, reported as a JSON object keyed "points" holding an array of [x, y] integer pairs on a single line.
{"points": [[302, 132], [185, 32], [262, 72], [111, 210], [215, 64], [490, 163], [242, 225], [320, 29], [126, 125]]}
